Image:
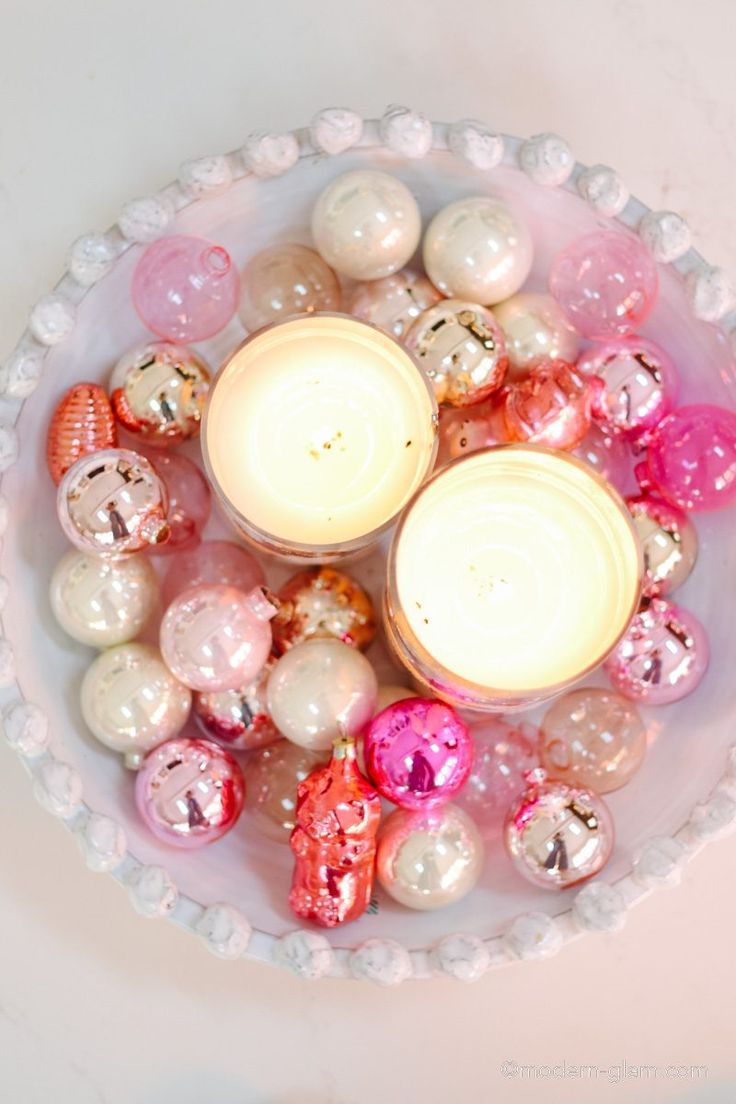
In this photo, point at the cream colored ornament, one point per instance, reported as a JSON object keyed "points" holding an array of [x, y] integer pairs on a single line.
{"points": [[103, 602], [536, 330]]}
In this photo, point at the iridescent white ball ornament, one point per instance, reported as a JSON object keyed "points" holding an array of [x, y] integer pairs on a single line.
{"points": [[366, 224], [103, 602], [461, 348], [394, 302], [131, 702], [478, 249], [536, 329]]}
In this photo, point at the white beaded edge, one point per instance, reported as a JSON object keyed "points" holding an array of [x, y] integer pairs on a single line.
{"points": [[598, 906]]}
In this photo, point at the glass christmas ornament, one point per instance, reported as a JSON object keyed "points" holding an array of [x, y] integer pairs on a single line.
{"points": [[272, 776], [669, 543], [323, 602], [131, 702], [158, 391], [550, 407], [185, 289], [593, 738], [82, 423], [477, 249], [535, 330], [691, 458], [605, 282], [366, 224], [319, 690], [103, 602], [461, 348], [466, 429], [284, 280], [418, 752], [334, 842], [217, 637], [663, 656], [429, 859], [639, 383], [608, 455], [556, 834], [214, 562], [394, 302], [502, 756], [237, 719], [189, 792], [112, 503], [189, 501]]}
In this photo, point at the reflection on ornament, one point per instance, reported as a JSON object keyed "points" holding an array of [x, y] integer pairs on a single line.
{"points": [[82, 423], [284, 280], [669, 543], [536, 330], [502, 756], [461, 348], [103, 602], [691, 458], [272, 774], [323, 602], [158, 391], [394, 302], [551, 407], [639, 383], [663, 656], [237, 719]]}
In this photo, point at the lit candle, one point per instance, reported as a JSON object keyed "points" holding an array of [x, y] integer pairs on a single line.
{"points": [[317, 433], [512, 574]]}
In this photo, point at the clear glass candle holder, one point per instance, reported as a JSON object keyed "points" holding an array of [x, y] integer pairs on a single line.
{"points": [[317, 432], [512, 574]]}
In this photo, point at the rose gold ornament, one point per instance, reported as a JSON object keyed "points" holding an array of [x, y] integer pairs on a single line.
{"points": [[536, 330], [394, 302], [469, 428], [322, 602], [550, 407], [273, 774], [284, 280], [158, 392], [669, 543], [82, 422], [461, 348], [334, 841], [238, 719], [558, 835]]}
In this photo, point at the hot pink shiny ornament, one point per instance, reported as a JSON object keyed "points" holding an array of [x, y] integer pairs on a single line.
{"points": [[210, 563], [550, 407], [185, 289], [639, 380], [189, 792], [466, 429], [237, 719], [217, 637], [608, 455], [605, 282], [663, 656], [691, 458], [418, 753], [503, 754], [189, 500]]}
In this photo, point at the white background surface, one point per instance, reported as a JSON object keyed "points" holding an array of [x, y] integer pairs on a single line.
{"points": [[99, 102]]}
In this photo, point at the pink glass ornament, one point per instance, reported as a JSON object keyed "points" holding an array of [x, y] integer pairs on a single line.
{"points": [[669, 543], [639, 383], [189, 500], [418, 752], [210, 563], [185, 289], [608, 455], [217, 637], [503, 754], [605, 282], [272, 776], [237, 719], [468, 428], [663, 656], [557, 835], [550, 407], [691, 458], [189, 792]]}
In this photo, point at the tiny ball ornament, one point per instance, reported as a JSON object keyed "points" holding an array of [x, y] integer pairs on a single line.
{"points": [[418, 753], [237, 719], [323, 602], [158, 392], [556, 834], [669, 543], [189, 792], [103, 602], [662, 657], [462, 349]]}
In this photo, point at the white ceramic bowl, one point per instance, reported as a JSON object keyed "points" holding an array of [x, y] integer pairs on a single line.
{"points": [[234, 893]]}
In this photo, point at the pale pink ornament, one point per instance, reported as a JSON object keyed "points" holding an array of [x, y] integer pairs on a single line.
{"points": [[502, 756], [418, 753], [608, 455], [639, 381], [185, 289], [217, 637], [189, 792], [189, 500], [691, 458], [550, 407], [606, 283], [210, 563], [283, 280], [237, 719], [669, 543], [272, 775], [394, 302], [662, 657], [466, 429]]}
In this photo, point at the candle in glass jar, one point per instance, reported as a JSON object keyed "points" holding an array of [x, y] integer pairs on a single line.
{"points": [[512, 574], [317, 432]]}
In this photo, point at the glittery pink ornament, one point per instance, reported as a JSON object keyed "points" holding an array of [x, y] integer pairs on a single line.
{"points": [[550, 407], [662, 657], [217, 637], [189, 500], [639, 383], [237, 719], [503, 755], [418, 752], [466, 429], [210, 563], [608, 455], [185, 289], [691, 458], [189, 792], [605, 282]]}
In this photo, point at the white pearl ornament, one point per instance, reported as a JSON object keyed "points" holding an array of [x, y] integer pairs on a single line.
{"points": [[103, 602]]}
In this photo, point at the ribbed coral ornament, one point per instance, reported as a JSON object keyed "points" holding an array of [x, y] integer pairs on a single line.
{"points": [[82, 423]]}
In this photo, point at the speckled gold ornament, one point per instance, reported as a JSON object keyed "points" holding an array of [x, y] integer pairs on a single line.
{"points": [[322, 602]]}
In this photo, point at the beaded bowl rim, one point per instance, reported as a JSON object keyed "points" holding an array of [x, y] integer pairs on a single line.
{"points": [[599, 906]]}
